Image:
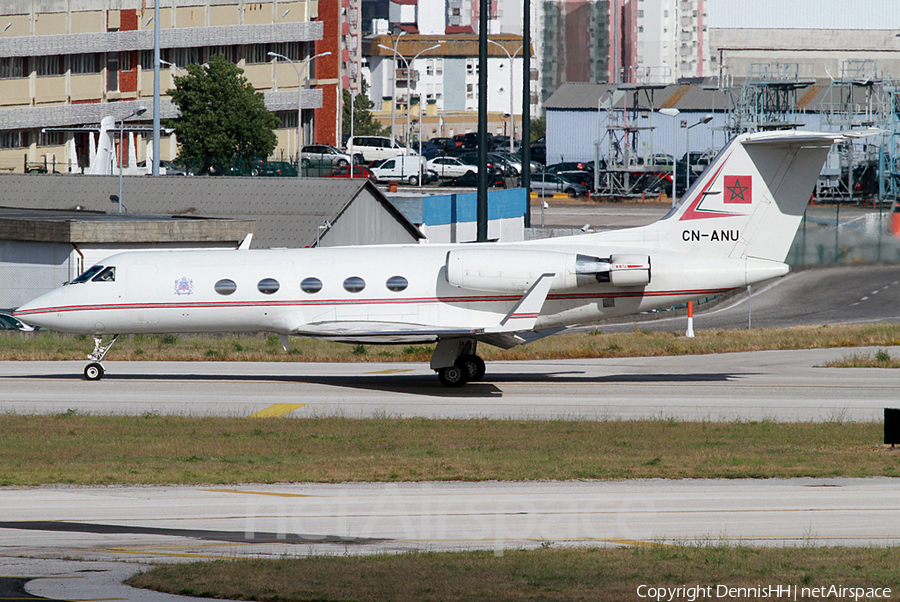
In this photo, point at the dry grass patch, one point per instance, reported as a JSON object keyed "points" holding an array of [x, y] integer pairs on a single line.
{"points": [[258, 347], [548, 574], [91, 450]]}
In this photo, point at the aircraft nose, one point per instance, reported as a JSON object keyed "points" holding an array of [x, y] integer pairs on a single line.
{"points": [[39, 311]]}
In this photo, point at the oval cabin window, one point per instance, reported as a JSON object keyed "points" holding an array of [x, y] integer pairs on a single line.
{"points": [[268, 286], [354, 284], [311, 285], [225, 286], [397, 283]]}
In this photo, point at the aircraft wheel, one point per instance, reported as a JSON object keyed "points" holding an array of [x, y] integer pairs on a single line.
{"points": [[452, 376], [93, 371], [473, 367]]}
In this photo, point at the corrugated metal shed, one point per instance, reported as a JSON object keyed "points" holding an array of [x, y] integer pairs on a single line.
{"points": [[287, 211], [804, 14]]}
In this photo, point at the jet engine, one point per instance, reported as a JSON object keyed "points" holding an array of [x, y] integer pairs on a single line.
{"points": [[507, 270]]}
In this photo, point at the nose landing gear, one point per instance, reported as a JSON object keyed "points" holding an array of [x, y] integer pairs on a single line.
{"points": [[94, 370]]}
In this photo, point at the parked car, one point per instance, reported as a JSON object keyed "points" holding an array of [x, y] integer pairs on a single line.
{"points": [[8, 322], [495, 163], [323, 155], [573, 166], [548, 183], [373, 148], [167, 168], [471, 180], [585, 178], [278, 169], [444, 145], [466, 141], [359, 171], [427, 150], [405, 168], [451, 167]]}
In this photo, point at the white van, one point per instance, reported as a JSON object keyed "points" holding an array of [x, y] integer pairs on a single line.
{"points": [[374, 148], [405, 168]]}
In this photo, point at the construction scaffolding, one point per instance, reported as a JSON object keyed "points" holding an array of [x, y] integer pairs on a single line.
{"points": [[627, 172], [860, 98]]}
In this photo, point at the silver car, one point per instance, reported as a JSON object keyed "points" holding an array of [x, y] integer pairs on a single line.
{"points": [[324, 156], [548, 183]]}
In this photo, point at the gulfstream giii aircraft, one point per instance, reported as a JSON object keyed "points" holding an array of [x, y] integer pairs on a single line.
{"points": [[733, 228]]}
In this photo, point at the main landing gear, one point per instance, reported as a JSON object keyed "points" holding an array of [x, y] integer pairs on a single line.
{"points": [[94, 370], [456, 363]]}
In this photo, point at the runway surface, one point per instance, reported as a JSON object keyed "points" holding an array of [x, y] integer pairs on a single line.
{"points": [[772, 385], [97, 528]]}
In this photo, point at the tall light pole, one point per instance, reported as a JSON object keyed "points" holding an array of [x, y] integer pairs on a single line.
{"points": [[408, 90], [687, 145], [393, 78], [138, 111], [299, 101], [512, 118], [671, 112]]}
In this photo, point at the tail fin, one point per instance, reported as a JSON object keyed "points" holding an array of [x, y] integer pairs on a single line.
{"points": [[106, 146], [749, 201]]}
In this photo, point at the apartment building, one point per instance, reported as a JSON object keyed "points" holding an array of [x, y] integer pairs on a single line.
{"points": [[441, 85], [69, 63]]}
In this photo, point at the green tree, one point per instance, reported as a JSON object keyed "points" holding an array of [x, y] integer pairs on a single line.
{"points": [[363, 122], [538, 128], [223, 117]]}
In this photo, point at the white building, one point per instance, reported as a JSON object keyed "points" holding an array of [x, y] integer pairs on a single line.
{"points": [[672, 41]]}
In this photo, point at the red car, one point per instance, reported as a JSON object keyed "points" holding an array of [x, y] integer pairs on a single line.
{"points": [[359, 171]]}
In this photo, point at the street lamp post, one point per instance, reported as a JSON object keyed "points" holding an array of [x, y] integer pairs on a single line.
{"points": [[299, 101], [408, 92], [687, 144], [138, 111], [672, 112], [512, 119]]}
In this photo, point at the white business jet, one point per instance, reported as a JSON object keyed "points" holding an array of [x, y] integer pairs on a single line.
{"points": [[733, 228]]}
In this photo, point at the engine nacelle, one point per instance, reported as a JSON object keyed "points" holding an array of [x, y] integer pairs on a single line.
{"points": [[629, 270], [508, 270]]}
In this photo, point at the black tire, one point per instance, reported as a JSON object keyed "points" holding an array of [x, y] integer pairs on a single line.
{"points": [[413, 180], [304, 163], [93, 371], [342, 163], [570, 191], [473, 367], [452, 376]]}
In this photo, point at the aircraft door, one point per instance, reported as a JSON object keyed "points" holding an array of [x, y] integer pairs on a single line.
{"points": [[141, 290]]}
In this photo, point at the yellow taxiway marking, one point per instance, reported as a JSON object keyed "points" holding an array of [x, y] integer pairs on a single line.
{"points": [[391, 371], [277, 410], [257, 493]]}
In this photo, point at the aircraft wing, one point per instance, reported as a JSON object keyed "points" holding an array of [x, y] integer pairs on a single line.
{"points": [[514, 329], [381, 332]]}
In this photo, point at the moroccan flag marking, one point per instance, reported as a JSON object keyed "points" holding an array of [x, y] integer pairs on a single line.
{"points": [[738, 189]]}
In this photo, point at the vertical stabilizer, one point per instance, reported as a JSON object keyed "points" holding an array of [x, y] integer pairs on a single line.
{"points": [[750, 200]]}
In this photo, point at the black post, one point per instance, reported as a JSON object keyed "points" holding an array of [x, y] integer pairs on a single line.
{"points": [[891, 426], [526, 109], [482, 209]]}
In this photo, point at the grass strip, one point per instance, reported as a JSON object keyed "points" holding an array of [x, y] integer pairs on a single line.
{"points": [[152, 449], [255, 347], [548, 574]]}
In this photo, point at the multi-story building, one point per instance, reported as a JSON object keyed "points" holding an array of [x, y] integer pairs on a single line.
{"points": [[670, 41], [441, 86], [69, 64]]}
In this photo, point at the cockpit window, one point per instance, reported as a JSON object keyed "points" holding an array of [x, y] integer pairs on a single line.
{"points": [[107, 275], [90, 273]]}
